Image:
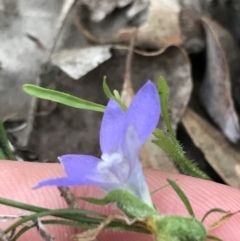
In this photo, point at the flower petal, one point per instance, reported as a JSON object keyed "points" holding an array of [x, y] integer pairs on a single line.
{"points": [[111, 133], [81, 166], [80, 170], [144, 111], [136, 180], [65, 181], [132, 147]]}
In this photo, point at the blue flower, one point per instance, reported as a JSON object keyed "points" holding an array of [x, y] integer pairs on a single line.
{"points": [[121, 136]]}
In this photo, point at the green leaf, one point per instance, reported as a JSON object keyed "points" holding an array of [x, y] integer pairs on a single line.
{"points": [[214, 238], [5, 152], [63, 98], [171, 146], [125, 201], [78, 215], [110, 95], [213, 210], [53, 221], [163, 93], [179, 158], [117, 95], [106, 88], [182, 195]]}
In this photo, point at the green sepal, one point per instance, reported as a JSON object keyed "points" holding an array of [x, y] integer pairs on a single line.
{"points": [[182, 196], [176, 228], [132, 206], [62, 98]]}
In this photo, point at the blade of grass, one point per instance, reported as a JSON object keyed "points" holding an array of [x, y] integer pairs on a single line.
{"points": [[62, 98], [182, 195], [5, 152]]}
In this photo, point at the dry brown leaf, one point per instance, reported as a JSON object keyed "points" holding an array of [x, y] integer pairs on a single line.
{"points": [[160, 30], [216, 88], [218, 152], [192, 30], [78, 62], [100, 9]]}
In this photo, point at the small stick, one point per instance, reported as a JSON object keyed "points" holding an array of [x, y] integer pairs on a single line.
{"points": [[68, 197], [3, 236]]}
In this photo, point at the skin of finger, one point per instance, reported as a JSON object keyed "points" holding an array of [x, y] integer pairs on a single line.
{"points": [[16, 180]]}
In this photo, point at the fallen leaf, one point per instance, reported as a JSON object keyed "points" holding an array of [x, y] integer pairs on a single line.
{"points": [[192, 30], [224, 158], [160, 30], [215, 90], [100, 9], [222, 220], [78, 62]]}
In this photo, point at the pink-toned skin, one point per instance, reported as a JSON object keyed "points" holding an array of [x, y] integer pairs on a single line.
{"points": [[16, 180]]}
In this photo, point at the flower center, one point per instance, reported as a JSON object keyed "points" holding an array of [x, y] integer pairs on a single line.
{"points": [[114, 165]]}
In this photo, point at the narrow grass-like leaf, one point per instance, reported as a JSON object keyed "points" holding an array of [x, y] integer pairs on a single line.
{"points": [[56, 222], [114, 225], [37, 209], [214, 210], [72, 214], [77, 215], [210, 237], [62, 98], [182, 195], [5, 152]]}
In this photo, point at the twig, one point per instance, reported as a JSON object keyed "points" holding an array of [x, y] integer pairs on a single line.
{"points": [[3, 236], [68, 197], [67, 6], [43, 231], [87, 34], [11, 217], [127, 90]]}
